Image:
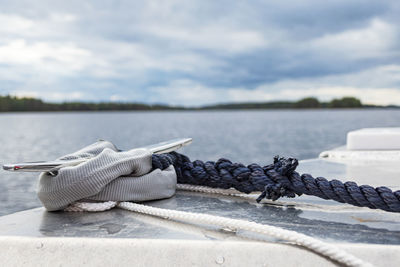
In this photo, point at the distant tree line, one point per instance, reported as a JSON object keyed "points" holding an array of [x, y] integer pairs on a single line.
{"points": [[12, 103], [305, 103]]}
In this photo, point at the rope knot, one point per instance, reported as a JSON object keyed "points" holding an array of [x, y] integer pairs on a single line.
{"points": [[285, 166], [275, 191], [279, 172]]}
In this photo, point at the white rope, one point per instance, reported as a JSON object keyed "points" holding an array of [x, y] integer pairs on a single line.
{"points": [[208, 190], [253, 196], [310, 243], [91, 206]]}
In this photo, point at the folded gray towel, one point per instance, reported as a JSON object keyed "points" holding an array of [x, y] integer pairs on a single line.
{"points": [[107, 175]]}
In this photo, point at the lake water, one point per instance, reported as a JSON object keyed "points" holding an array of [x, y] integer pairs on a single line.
{"points": [[242, 136]]}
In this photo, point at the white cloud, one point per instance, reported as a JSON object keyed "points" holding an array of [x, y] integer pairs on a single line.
{"points": [[216, 37], [49, 26], [246, 95], [385, 76], [63, 17], [116, 98], [370, 42], [14, 24], [139, 58], [184, 93], [48, 56]]}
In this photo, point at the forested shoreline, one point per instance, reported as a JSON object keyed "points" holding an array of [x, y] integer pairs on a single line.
{"points": [[16, 104]]}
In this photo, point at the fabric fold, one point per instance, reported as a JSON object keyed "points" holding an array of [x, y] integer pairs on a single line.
{"points": [[107, 175]]}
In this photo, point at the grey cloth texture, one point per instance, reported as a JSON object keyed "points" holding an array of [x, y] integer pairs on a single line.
{"points": [[107, 175]]}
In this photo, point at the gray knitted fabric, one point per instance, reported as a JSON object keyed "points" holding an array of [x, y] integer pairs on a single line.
{"points": [[107, 175]]}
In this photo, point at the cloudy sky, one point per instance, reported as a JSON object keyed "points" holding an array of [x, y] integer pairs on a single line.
{"points": [[200, 52]]}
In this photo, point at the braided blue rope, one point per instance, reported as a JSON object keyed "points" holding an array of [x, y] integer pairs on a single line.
{"points": [[275, 180]]}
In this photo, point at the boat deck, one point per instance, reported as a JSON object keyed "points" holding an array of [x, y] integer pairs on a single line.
{"points": [[358, 230]]}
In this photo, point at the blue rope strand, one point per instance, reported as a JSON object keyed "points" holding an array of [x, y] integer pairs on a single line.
{"points": [[275, 180]]}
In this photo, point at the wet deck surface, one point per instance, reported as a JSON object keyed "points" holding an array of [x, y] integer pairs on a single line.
{"points": [[327, 220]]}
